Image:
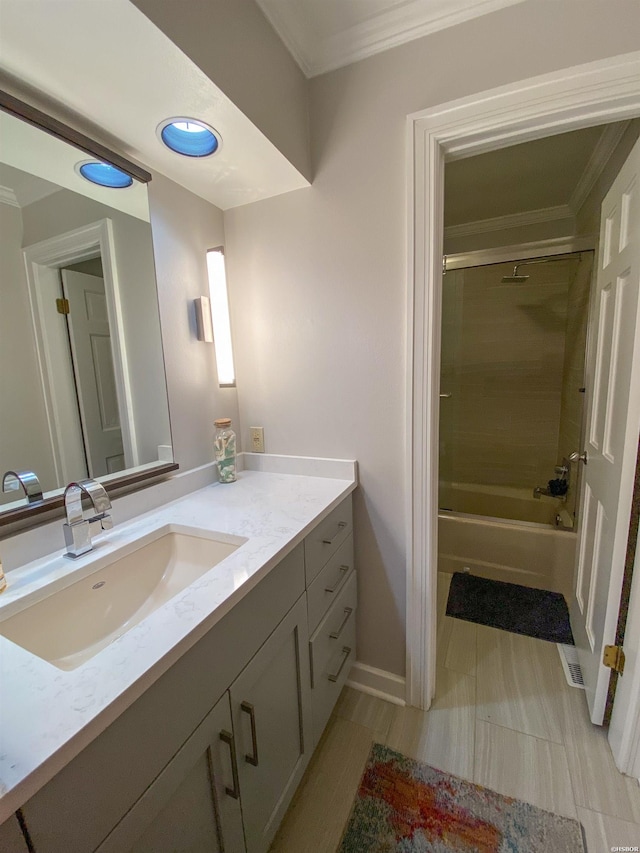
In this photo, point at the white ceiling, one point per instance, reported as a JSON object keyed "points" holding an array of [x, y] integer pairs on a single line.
{"points": [[536, 181], [105, 61], [128, 91], [326, 34]]}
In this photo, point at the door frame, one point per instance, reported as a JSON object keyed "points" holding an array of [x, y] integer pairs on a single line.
{"points": [[565, 100], [42, 261]]}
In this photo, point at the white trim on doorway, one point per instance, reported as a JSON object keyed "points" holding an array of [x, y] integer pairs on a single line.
{"points": [[42, 260], [569, 99]]}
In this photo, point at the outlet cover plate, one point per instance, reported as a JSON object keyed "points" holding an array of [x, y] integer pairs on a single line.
{"points": [[257, 439]]}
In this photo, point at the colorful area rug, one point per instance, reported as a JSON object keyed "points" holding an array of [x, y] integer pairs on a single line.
{"points": [[405, 806], [519, 609]]}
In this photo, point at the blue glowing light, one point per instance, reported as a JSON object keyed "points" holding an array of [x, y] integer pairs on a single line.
{"points": [[105, 175], [189, 137]]}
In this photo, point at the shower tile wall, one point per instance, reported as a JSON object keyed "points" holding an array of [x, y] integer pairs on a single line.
{"points": [[503, 354]]}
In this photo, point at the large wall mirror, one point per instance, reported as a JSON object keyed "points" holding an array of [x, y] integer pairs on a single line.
{"points": [[82, 381]]}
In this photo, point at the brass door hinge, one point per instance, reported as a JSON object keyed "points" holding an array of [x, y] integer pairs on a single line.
{"points": [[62, 305], [614, 658]]}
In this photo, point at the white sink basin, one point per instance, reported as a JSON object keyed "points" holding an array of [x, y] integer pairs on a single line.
{"points": [[71, 626]]}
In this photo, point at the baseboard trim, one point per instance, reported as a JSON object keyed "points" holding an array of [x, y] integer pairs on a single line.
{"points": [[377, 682]]}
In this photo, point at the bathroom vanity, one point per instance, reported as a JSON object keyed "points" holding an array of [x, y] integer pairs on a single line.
{"points": [[193, 728]]}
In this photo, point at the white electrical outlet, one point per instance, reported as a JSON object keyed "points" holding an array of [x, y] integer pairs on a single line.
{"points": [[257, 439]]}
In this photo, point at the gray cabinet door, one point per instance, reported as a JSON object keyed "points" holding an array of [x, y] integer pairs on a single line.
{"points": [[270, 702], [11, 837], [194, 803]]}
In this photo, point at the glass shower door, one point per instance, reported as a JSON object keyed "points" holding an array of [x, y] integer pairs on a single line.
{"points": [[449, 383], [511, 369]]}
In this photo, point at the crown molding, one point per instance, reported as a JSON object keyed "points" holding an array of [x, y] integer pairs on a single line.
{"points": [[511, 220], [390, 29], [7, 196], [406, 22], [298, 51], [606, 145]]}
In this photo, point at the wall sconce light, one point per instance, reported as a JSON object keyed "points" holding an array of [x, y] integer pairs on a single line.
{"points": [[203, 319], [220, 317]]}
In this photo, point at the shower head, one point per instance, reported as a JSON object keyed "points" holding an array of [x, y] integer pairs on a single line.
{"points": [[519, 279], [515, 278]]}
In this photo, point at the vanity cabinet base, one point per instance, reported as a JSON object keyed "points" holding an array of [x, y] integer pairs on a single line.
{"points": [[271, 707], [11, 837], [194, 803], [210, 755], [76, 811]]}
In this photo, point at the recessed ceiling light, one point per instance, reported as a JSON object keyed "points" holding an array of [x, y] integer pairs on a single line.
{"points": [[189, 136], [104, 174]]}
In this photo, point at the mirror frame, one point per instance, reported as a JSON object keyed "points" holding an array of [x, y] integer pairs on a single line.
{"points": [[14, 106]]}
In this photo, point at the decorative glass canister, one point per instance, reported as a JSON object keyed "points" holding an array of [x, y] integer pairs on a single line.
{"points": [[225, 449]]}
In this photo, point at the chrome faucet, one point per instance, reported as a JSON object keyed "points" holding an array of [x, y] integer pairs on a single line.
{"points": [[12, 480], [77, 529]]}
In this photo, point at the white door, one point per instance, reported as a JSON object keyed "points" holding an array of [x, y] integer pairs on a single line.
{"points": [[611, 437], [93, 368]]}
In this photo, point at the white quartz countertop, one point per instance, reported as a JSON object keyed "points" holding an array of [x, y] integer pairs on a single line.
{"points": [[47, 715]]}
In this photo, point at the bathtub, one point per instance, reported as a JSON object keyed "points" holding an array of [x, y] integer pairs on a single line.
{"points": [[499, 502], [535, 555]]}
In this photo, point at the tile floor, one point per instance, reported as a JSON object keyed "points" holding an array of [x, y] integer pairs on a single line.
{"points": [[503, 716]]}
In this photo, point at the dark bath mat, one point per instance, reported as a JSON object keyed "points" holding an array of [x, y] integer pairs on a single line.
{"points": [[519, 609]]}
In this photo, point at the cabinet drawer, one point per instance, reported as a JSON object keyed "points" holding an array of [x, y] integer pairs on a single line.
{"points": [[332, 656], [328, 536], [332, 632], [329, 583]]}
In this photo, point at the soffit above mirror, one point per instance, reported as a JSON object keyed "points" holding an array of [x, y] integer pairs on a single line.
{"points": [[111, 67], [28, 154]]}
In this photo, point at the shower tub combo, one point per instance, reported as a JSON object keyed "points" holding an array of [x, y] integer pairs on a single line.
{"points": [[512, 371], [492, 545]]}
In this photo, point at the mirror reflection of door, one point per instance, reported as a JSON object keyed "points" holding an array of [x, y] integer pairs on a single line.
{"points": [[93, 372]]}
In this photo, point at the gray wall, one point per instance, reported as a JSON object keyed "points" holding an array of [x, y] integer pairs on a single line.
{"points": [[588, 219], [24, 435], [318, 277], [184, 227]]}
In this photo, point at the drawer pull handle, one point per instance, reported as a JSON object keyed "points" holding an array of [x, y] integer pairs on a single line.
{"points": [[248, 708], [227, 737], [341, 526], [346, 651], [347, 613], [333, 588]]}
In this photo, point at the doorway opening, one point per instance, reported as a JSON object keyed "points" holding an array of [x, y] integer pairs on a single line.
{"points": [[563, 101], [82, 358], [85, 319]]}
